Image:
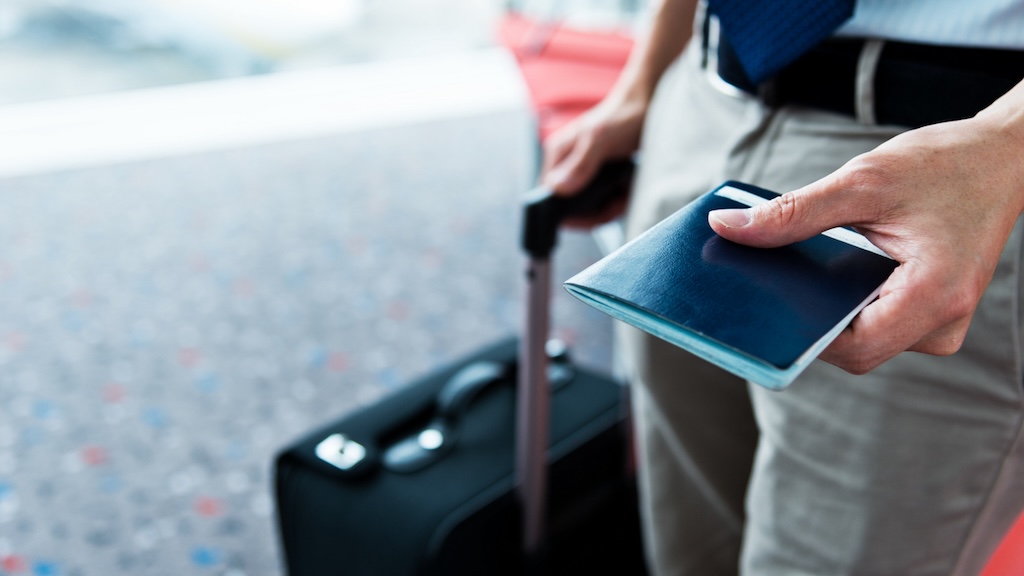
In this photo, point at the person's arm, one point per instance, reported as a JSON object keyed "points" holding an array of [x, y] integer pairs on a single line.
{"points": [[611, 129], [942, 200]]}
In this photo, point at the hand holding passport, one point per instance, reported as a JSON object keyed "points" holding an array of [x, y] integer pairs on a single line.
{"points": [[761, 313]]}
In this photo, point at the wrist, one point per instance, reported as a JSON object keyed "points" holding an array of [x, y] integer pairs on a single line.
{"points": [[1002, 127], [633, 92]]}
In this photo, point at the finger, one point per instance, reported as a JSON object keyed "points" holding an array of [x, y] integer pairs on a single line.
{"points": [[793, 216], [556, 147], [901, 319], [576, 169], [944, 341], [872, 338]]}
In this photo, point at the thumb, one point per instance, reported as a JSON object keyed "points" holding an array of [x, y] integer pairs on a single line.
{"points": [[789, 218]]}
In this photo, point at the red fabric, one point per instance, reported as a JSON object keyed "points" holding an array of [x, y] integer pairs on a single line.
{"points": [[1008, 559], [566, 70]]}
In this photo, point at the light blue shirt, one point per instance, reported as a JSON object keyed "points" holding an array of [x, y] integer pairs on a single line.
{"points": [[987, 23]]}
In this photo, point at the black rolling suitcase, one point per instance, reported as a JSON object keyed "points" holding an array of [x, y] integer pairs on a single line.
{"points": [[451, 476]]}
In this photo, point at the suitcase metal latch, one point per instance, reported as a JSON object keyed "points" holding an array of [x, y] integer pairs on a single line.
{"points": [[341, 451]]}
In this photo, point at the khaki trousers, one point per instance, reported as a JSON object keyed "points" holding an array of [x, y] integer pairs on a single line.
{"points": [[914, 469]]}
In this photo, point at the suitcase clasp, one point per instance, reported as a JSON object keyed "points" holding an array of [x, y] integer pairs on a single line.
{"points": [[341, 451]]}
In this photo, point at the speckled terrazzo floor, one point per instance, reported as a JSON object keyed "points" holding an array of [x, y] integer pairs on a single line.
{"points": [[167, 326]]}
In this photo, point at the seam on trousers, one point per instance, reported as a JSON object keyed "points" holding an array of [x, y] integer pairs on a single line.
{"points": [[747, 160], [681, 456], [961, 561], [1018, 308], [699, 566]]}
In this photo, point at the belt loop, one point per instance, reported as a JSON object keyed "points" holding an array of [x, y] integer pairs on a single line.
{"points": [[867, 64], [712, 70], [702, 26]]}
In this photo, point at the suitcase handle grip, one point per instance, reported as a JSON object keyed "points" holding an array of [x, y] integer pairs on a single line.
{"points": [[426, 446], [543, 211], [468, 383]]}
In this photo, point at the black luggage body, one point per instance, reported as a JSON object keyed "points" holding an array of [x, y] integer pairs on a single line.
{"points": [[460, 515], [461, 512]]}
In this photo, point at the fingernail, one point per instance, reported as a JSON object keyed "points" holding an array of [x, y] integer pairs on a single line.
{"points": [[731, 217]]}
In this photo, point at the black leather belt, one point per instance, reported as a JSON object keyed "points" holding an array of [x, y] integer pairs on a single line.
{"points": [[914, 84]]}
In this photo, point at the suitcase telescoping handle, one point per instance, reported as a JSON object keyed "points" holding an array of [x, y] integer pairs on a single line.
{"points": [[543, 212]]}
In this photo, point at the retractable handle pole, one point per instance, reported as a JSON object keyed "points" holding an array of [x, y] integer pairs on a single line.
{"points": [[542, 214]]}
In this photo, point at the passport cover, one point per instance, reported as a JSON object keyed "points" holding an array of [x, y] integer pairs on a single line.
{"points": [[761, 313]]}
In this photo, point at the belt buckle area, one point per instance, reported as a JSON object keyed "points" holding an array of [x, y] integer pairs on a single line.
{"points": [[713, 69]]}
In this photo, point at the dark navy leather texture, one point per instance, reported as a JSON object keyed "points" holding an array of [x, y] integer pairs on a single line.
{"points": [[769, 304]]}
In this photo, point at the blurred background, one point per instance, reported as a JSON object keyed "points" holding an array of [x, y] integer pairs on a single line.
{"points": [[60, 48], [226, 223]]}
